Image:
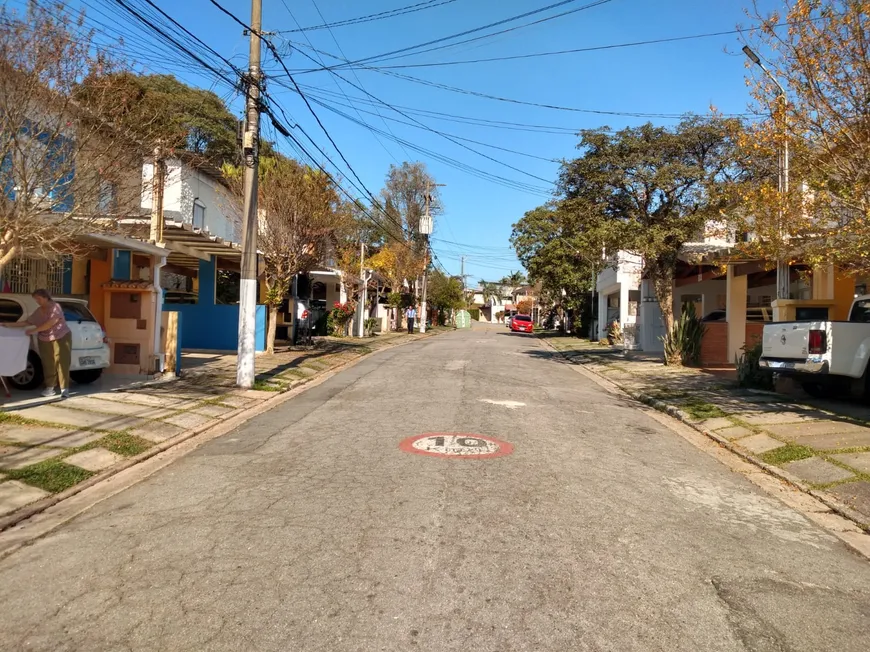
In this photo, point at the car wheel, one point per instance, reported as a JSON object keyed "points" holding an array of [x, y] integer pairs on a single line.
{"points": [[85, 376], [32, 376]]}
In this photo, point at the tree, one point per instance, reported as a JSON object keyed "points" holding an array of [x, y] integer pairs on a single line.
{"points": [[652, 189], [560, 246], [192, 119], [822, 61], [445, 292], [69, 165], [403, 203], [514, 280], [490, 291], [526, 306], [301, 217]]}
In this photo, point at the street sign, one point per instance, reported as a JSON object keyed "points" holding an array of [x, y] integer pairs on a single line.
{"points": [[453, 444], [463, 319]]}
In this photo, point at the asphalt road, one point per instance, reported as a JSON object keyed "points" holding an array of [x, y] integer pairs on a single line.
{"points": [[309, 529]]}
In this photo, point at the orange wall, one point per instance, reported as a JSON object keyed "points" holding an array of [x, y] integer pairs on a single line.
{"points": [[753, 334], [101, 272]]}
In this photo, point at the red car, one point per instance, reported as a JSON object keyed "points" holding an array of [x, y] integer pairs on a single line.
{"points": [[521, 324]]}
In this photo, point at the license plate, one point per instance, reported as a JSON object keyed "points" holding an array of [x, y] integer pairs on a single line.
{"points": [[87, 361]]}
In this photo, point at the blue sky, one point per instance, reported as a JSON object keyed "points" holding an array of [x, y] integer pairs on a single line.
{"points": [[670, 78]]}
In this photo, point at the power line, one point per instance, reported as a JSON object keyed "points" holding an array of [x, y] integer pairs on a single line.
{"points": [[454, 89], [424, 126], [474, 30], [420, 6]]}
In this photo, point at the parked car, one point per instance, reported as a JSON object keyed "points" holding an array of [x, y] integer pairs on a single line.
{"points": [[522, 324], [828, 358], [507, 321], [752, 314], [90, 346]]}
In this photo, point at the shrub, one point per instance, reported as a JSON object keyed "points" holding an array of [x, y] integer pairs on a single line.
{"points": [[475, 314], [369, 326], [339, 318], [749, 372], [683, 343], [614, 333]]}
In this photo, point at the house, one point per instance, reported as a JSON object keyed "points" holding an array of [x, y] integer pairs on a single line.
{"points": [[200, 232], [736, 292]]}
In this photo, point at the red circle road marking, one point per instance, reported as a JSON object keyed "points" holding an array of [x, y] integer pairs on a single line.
{"points": [[456, 445]]}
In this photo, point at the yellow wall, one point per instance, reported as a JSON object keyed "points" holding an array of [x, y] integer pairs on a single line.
{"points": [[79, 276]]}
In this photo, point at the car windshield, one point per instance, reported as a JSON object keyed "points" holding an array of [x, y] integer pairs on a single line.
{"points": [[522, 318], [75, 311]]}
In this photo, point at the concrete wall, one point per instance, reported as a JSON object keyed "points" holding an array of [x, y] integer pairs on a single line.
{"points": [[213, 327], [183, 186]]}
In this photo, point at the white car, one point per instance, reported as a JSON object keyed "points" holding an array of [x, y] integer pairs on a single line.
{"points": [[90, 346]]}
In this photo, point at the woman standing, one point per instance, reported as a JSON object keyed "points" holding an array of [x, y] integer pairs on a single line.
{"points": [[55, 342]]}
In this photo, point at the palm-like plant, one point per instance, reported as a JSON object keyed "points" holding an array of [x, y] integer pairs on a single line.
{"points": [[489, 291]]}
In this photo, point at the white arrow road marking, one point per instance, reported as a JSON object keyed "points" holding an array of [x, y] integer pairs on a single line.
{"points": [[510, 405]]}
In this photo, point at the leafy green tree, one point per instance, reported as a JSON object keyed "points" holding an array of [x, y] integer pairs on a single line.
{"points": [[445, 292], [190, 119], [553, 246], [652, 189]]}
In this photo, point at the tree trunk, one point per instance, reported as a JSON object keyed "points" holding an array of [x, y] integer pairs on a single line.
{"points": [[273, 326], [663, 283]]}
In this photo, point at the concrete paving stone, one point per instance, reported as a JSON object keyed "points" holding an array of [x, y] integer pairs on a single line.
{"points": [[33, 435], [213, 410], [116, 407], [835, 441], [14, 494], [766, 418], [94, 459], [735, 432], [13, 457], [817, 470], [255, 393], [141, 398], [858, 461], [235, 401], [830, 426], [760, 443], [188, 420], [80, 418], [716, 423], [157, 431], [855, 494]]}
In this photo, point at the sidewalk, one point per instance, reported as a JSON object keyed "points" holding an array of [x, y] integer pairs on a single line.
{"points": [[49, 446], [821, 446]]}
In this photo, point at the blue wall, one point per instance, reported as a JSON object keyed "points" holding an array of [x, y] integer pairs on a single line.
{"points": [[213, 327]]}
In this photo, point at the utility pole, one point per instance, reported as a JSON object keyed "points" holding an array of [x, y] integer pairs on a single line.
{"points": [[362, 290], [426, 230], [158, 182], [245, 370]]}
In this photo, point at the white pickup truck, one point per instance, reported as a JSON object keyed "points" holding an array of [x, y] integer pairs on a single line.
{"points": [[828, 358]]}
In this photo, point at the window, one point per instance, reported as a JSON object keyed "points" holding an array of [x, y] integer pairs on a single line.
{"points": [[861, 312], [108, 200], [10, 311], [198, 214], [75, 311], [522, 318]]}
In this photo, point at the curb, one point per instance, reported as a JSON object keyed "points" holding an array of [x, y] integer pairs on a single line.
{"points": [[229, 422], [673, 411]]}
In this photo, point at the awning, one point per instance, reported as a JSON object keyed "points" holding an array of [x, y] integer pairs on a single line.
{"points": [[122, 242]]}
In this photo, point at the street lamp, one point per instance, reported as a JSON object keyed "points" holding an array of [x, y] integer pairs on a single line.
{"points": [[783, 282]]}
